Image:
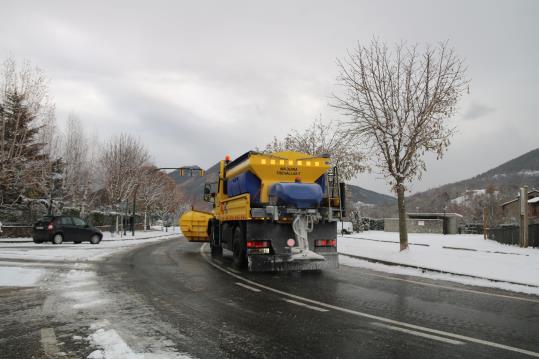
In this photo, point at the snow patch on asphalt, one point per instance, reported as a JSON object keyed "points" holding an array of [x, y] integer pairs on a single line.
{"points": [[86, 283], [106, 334], [112, 345], [83, 298], [20, 277]]}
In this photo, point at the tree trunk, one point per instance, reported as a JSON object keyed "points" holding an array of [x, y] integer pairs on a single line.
{"points": [[145, 221], [403, 233]]}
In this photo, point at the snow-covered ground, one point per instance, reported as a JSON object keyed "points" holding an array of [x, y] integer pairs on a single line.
{"points": [[45, 256], [71, 252], [20, 277], [463, 254]]}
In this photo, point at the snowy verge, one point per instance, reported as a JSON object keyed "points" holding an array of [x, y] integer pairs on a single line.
{"points": [[108, 236], [406, 271], [20, 277], [474, 257], [70, 252], [14, 271]]}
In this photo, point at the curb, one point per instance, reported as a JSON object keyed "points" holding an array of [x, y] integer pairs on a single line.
{"points": [[426, 269], [136, 239], [444, 247], [385, 241]]}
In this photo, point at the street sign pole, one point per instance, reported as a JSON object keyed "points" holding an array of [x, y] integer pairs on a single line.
{"points": [[524, 216]]}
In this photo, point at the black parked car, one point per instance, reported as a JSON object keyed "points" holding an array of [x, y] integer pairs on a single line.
{"points": [[57, 229]]}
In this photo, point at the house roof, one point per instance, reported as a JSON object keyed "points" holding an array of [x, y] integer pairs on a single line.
{"points": [[534, 199]]}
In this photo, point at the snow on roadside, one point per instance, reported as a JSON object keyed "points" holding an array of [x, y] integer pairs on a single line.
{"points": [[20, 277], [484, 258], [108, 236], [352, 262], [24, 274], [78, 252]]}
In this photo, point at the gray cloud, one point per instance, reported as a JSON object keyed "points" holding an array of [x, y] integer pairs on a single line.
{"points": [[199, 80], [476, 110]]}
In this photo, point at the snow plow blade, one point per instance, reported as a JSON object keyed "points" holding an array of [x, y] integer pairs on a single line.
{"points": [[286, 262], [194, 225]]}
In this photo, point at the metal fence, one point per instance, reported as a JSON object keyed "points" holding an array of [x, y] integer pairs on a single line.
{"points": [[510, 234]]}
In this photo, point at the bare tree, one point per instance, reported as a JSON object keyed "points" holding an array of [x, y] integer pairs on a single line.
{"points": [[26, 127], [171, 199], [324, 138], [397, 102], [122, 161], [154, 188], [79, 173]]}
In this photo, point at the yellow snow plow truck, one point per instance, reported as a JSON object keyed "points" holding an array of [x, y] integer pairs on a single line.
{"points": [[275, 212]]}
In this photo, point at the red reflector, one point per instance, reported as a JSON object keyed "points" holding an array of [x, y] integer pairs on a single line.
{"points": [[325, 243], [257, 244], [50, 227]]}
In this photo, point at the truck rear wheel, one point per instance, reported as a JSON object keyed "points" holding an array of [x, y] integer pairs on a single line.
{"points": [[216, 251], [213, 235], [239, 247]]}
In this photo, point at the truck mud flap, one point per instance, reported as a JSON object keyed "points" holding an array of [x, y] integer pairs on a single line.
{"points": [[276, 263]]}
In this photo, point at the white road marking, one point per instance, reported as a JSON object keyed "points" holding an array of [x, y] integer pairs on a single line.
{"points": [[47, 306], [48, 341], [93, 303], [419, 334], [306, 305], [248, 287], [371, 316], [234, 270], [452, 288]]}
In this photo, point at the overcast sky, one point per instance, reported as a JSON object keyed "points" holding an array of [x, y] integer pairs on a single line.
{"points": [[199, 80]]}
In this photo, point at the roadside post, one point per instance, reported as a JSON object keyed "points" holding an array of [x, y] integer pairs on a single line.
{"points": [[134, 210], [485, 215], [524, 217]]}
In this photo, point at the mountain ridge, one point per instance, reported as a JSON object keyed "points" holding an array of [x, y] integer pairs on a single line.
{"points": [[505, 179]]}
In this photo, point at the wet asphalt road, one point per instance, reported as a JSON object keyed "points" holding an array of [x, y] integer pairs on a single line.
{"points": [[213, 313]]}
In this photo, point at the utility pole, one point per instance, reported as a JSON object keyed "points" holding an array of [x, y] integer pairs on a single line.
{"points": [[485, 215], [125, 218], [50, 205], [524, 216], [134, 210]]}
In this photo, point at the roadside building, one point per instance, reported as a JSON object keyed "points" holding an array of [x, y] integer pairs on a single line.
{"points": [[511, 209], [441, 223]]}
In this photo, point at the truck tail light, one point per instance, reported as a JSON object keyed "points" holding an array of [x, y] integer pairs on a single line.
{"points": [[50, 227], [258, 244], [325, 243]]}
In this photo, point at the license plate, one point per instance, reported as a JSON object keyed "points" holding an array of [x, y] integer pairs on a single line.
{"points": [[38, 228]]}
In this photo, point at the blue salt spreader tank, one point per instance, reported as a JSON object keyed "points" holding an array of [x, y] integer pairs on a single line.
{"points": [[296, 194]]}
